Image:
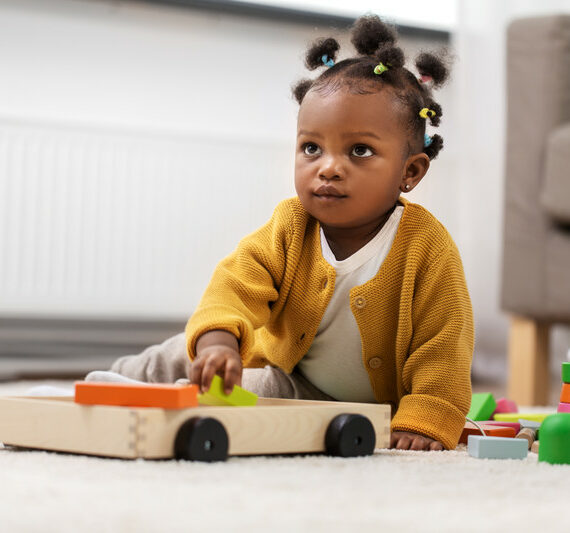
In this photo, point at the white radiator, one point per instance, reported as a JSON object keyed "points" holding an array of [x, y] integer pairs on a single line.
{"points": [[101, 222]]}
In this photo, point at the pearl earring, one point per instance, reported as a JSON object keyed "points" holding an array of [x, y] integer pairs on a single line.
{"points": [[407, 187]]}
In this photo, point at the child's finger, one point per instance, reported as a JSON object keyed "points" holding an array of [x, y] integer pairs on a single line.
{"points": [[403, 443], [436, 446], [393, 440], [196, 370], [419, 443], [232, 374], [211, 366]]}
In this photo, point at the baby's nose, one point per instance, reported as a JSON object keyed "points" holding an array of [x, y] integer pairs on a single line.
{"points": [[331, 168]]}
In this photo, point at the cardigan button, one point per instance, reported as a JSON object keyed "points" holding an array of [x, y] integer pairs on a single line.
{"points": [[360, 302], [375, 362]]}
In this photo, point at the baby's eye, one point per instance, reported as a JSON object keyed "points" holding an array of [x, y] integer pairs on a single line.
{"points": [[361, 150], [311, 149]]}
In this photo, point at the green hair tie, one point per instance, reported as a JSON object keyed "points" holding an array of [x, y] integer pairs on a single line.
{"points": [[380, 68]]}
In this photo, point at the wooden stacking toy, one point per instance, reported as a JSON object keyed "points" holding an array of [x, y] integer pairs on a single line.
{"points": [[555, 439], [162, 421], [564, 405], [555, 430]]}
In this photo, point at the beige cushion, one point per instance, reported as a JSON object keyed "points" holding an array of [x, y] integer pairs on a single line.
{"points": [[555, 197], [536, 253]]}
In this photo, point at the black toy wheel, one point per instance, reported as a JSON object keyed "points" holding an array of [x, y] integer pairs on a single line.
{"points": [[201, 439], [350, 435]]}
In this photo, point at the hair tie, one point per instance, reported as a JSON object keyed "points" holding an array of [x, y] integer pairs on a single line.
{"points": [[380, 68], [425, 113], [326, 61], [425, 78], [427, 140]]}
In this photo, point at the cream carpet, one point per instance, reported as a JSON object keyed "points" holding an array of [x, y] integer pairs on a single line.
{"points": [[389, 491]]}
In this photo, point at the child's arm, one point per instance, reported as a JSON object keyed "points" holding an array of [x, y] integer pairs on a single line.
{"points": [[436, 374], [245, 286], [217, 352]]}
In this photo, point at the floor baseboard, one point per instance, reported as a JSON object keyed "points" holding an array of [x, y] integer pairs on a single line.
{"points": [[64, 347]]}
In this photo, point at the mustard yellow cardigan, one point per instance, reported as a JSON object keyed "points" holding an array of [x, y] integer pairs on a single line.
{"points": [[414, 316]]}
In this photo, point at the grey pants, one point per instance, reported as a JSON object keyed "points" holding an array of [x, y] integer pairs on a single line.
{"points": [[168, 362]]}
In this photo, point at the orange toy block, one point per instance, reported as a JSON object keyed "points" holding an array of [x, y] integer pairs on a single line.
{"points": [[565, 394], [491, 430], [161, 395]]}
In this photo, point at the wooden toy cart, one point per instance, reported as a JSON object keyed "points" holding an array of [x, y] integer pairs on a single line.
{"points": [[204, 433]]}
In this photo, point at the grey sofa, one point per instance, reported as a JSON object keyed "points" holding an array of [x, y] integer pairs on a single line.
{"points": [[536, 247]]}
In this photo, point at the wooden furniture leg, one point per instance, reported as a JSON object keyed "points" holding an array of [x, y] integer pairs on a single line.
{"points": [[529, 374]]}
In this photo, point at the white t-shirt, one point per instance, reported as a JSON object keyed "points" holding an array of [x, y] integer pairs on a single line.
{"points": [[334, 361]]}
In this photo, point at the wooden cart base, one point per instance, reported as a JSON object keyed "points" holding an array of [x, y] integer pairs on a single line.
{"points": [[273, 426]]}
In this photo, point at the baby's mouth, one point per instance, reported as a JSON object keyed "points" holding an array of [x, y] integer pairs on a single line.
{"points": [[329, 191]]}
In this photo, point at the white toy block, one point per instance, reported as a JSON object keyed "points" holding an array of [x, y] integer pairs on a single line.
{"points": [[531, 424], [496, 447]]}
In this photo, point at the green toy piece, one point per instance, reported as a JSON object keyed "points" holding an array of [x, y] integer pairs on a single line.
{"points": [[565, 372], [483, 405], [216, 395], [555, 439]]}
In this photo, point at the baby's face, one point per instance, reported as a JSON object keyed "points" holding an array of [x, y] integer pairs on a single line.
{"points": [[351, 156]]}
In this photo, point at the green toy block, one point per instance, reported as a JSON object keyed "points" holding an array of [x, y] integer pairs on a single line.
{"points": [[483, 405], [565, 372], [216, 395], [555, 439], [515, 417]]}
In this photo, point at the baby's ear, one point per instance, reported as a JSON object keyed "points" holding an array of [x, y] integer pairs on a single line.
{"points": [[416, 167]]}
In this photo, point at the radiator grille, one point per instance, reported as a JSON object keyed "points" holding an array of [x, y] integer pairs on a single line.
{"points": [[101, 222]]}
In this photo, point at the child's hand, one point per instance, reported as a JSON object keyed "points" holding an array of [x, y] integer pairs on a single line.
{"points": [[405, 440], [217, 352]]}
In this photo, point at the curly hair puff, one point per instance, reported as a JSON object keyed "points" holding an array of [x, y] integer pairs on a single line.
{"points": [[376, 42]]}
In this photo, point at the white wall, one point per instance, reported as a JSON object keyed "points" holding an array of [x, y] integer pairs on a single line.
{"points": [[203, 75], [108, 72], [478, 147], [134, 64], [169, 73]]}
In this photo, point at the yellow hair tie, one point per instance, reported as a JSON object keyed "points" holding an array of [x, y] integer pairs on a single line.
{"points": [[425, 113], [379, 68]]}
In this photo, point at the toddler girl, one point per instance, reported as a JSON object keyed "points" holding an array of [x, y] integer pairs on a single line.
{"points": [[349, 292]]}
